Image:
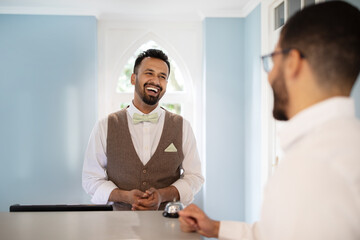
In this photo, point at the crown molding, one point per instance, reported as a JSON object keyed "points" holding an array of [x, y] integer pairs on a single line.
{"points": [[242, 12], [250, 6], [48, 11], [119, 16]]}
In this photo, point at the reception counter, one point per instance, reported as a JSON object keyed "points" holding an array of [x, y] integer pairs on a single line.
{"points": [[146, 225]]}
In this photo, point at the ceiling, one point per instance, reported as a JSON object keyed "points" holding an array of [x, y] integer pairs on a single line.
{"points": [[133, 9]]}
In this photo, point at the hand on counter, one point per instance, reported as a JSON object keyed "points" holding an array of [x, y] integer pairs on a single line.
{"points": [[193, 219]]}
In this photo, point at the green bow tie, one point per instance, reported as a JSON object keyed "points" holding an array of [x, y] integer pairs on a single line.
{"points": [[137, 118]]}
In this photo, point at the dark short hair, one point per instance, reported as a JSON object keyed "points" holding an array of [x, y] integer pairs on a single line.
{"points": [[153, 53], [328, 35]]}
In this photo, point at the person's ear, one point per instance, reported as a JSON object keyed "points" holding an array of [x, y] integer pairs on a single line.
{"points": [[133, 79], [293, 64]]}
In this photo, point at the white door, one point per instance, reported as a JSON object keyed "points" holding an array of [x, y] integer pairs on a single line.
{"points": [[274, 15]]}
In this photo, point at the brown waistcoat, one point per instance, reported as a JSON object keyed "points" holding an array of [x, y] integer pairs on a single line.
{"points": [[124, 166]]}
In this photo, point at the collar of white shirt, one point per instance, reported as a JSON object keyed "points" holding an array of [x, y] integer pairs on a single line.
{"points": [[132, 109], [314, 116]]}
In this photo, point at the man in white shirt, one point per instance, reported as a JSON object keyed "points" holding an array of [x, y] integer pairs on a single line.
{"points": [[315, 191], [143, 156]]}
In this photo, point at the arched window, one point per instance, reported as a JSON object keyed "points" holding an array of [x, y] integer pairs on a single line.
{"points": [[178, 96]]}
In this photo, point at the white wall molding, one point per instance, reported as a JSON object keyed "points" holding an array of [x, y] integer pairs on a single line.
{"points": [[48, 11], [243, 11], [249, 7], [267, 122], [91, 10]]}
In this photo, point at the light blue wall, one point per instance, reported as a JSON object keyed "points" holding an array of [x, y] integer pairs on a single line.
{"points": [[356, 89], [252, 80], [232, 76], [356, 95], [224, 71], [48, 105], [356, 3]]}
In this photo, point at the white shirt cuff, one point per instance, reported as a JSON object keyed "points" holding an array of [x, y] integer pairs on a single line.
{"points": [[230, 230], [185, 192], [102, 193]]}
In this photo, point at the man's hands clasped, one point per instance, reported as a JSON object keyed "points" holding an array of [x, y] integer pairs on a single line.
{"points": [[148, 200]]}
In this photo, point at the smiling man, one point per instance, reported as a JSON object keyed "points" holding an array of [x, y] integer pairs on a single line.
{"points": [[143, 156]]}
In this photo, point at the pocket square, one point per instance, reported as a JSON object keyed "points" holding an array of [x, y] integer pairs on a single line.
{"points": [[171, 148]]}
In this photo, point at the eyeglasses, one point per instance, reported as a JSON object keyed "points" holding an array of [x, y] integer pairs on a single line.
{"points": [[268, 62]]}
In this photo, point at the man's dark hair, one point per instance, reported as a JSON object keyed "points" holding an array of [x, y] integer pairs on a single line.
{"points": [[153, 53], [328, 35]]}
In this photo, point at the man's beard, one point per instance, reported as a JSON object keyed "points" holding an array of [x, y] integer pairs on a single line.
{"points": [[150, 100], [281, 97]]}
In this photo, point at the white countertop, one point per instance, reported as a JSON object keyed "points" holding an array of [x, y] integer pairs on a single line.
{"points": [[147, 225]]}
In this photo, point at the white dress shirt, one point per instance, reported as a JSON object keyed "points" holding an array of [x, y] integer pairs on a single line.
{"points": [[315, 191], [145, 138]]}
